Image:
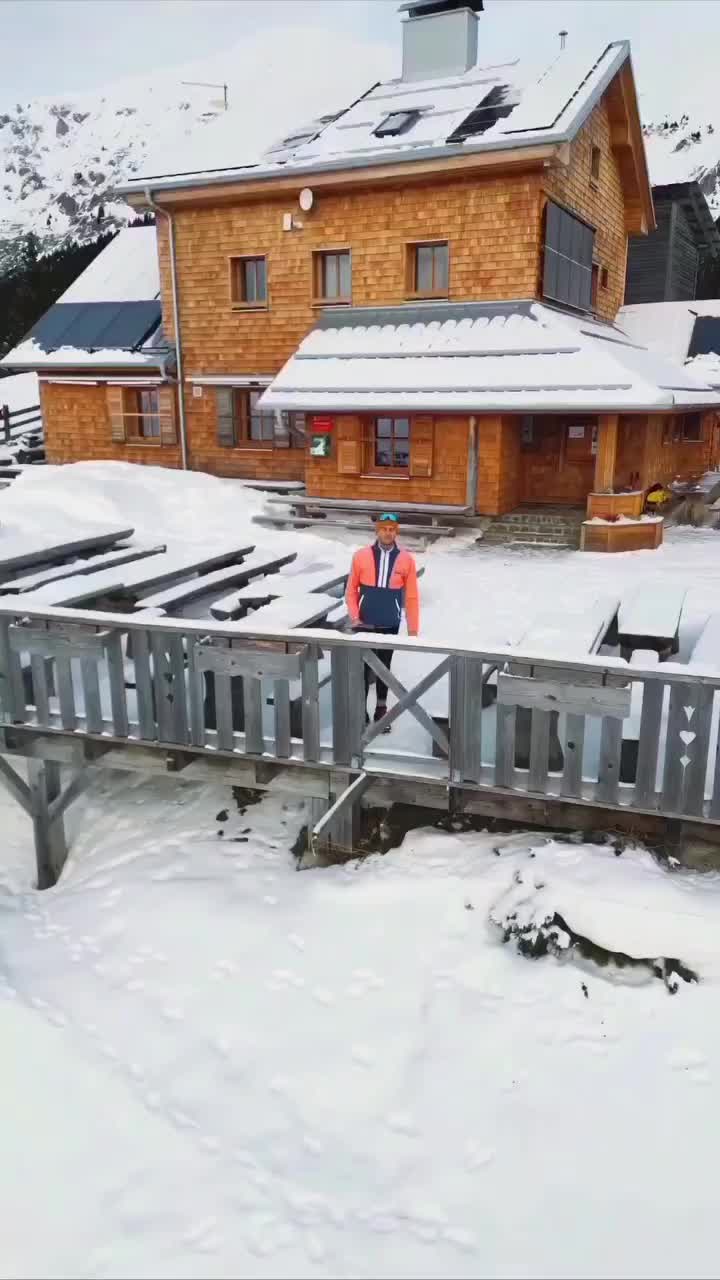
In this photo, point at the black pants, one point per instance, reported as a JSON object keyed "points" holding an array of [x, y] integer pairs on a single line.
{"points": [[385, 656]]}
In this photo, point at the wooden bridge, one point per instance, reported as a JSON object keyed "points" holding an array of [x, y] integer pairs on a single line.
{"points": [[596, 742]]}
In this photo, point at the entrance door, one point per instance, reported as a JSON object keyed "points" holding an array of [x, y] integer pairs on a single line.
{"points": [[558, 459]]}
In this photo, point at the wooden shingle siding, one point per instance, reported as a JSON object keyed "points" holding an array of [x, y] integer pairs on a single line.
{"points": [[80, 424], [341, 475], [601, 203]]}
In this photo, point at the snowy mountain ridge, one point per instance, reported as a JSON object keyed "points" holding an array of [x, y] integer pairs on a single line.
{"points": [[62, 158], [684, 147]]}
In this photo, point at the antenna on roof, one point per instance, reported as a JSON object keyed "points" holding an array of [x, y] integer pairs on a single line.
{"points": [[563, 38]]}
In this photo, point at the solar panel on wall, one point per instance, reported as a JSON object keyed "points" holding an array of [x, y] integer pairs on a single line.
{"points": [[567, 268], [97, 326]]}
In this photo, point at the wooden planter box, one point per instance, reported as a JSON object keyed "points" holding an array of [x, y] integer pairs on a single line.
{"points": [[645, 535], [616, 504]]}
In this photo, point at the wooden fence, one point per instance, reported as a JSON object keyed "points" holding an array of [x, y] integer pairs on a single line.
{"points": [[595, 732], [14, 422]]}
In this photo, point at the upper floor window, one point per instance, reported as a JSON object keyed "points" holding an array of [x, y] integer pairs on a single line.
{"points": [[248, 282], [428, 269], [568, 259], [141, 408], [595, 164], [332, 276]]}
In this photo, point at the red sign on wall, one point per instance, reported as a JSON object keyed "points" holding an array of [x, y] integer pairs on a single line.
{"points": [[322, 426]]}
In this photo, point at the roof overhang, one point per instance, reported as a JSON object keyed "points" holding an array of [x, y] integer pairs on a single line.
{"points": [[628, 145], [421, 165]]}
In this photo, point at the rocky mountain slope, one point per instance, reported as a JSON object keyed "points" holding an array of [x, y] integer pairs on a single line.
{"points": [[679, 148], [60, 161]]}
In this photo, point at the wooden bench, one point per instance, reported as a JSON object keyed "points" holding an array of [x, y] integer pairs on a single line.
{"points": [[131, 579], [183, 593], [706, 650], [357, 505], [277, 585], [20, 551], [317, 522], [76, 568], [649, 618]]}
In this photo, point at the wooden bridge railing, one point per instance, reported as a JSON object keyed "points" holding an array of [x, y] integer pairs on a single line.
{"points": [[597, 731]]}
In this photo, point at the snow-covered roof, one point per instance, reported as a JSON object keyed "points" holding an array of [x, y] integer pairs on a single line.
{"points": [[511, 356], [686, 332], [505, 105], [110, 317], [126, 271]]}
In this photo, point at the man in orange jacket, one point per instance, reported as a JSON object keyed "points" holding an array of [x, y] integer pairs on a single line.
{"points": [[380, 574]]}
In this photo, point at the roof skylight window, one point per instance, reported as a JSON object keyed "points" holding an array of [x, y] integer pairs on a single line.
{"points": [[397, 122]]}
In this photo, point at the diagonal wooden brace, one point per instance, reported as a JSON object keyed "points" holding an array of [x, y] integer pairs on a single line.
{"points": [[349, 797], [407, 700], [18, 789]]}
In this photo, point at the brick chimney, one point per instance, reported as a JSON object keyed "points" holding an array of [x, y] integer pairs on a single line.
{"points": [[439, 37]]}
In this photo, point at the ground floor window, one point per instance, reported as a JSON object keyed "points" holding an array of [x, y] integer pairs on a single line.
{"points": [[390, 444], [142, 414], [691, 425], [242, 424]]}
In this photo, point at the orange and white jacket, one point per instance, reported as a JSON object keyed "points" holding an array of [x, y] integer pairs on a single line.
{"points": [[378, 579]]}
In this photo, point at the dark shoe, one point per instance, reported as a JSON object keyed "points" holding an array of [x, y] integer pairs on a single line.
{"points": [[381, 711]]}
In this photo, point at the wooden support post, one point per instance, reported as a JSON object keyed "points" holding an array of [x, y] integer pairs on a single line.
{"points": [[342, 819], [606, 452], [50, 844]]}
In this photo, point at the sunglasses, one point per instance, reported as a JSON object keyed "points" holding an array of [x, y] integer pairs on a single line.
{"points": [[387, 516]]}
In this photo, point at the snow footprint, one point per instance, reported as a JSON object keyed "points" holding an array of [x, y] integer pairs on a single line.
{"points": [[477, 1156], [691, 1063], [402, 1122], [363, 1055]]}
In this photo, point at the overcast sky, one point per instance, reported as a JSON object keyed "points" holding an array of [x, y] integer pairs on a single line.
{"points": [[56, 47]]}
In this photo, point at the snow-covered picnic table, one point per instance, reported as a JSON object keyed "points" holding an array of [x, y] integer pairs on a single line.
{"points": [[649, 618], [130, 579], [20, 550]]}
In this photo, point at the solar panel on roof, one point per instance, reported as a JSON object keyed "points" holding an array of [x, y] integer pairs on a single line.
{"points": [[705, 336], [493, 107], [93, 326]]}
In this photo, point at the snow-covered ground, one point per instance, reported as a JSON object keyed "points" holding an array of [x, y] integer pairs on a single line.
{"points": [[214, 1065], [217, 1066]]}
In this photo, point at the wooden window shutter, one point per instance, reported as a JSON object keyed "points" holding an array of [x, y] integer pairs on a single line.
{"points": [[115, 404], [421, 447], [349, 447], [282, 429], [225, 418], [168, 425]]}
